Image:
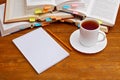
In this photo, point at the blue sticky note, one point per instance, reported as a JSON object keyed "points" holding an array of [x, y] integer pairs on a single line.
{"points": [[22, 27], [78, 25], [66, 7], [48, 19], [37, 24]]}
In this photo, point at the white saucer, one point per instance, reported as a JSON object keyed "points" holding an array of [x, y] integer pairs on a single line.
{"points": [[74, 41]]}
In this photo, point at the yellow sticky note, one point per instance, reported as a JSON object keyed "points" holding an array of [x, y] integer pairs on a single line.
{"points": [[99, 21], [38, 11], [32, 19], [47, 7]]}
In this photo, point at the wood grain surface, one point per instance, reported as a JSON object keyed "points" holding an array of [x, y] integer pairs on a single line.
{"points": [[104, 65]]}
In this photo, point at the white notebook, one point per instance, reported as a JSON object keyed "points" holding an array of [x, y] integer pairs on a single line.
{"points": [[40, 49]]}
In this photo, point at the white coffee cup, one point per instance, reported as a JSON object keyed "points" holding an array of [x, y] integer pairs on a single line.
{"points": [[89, 33]]}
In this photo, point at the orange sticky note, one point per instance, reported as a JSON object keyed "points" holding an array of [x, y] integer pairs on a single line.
{"points": [[47, 7], [32, 19], [45, 11], [58, 18], [53, 17], [38, 11]]}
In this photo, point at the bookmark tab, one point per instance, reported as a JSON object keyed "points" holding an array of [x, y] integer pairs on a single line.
{"points": [[22, 27], [45, 24], [45, 10], [48, 19], [78, 26], [47, 7], [75, 12], [74, 5], [100, 21], [53, 17], [37, 24], [38, 11], [32, 19], [66, 7], [58, 18]]}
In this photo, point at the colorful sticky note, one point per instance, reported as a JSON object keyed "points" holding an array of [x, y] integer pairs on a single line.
{"points": [[53, 17], [100, 22], [32, 19], [48, 19], [74, 5], [45, 10], [22, 27], [45, 24], [58, 18], [75, 12], [38, 11], [47, 7], [66, 7], [78, 25], [37, 24]]}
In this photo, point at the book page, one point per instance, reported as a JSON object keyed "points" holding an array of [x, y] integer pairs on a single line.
{"points": [[57, 2], [14, 9], [39, 2], [40, 49], [80, 9], [105, 10], [6, 26], [84, 5]]}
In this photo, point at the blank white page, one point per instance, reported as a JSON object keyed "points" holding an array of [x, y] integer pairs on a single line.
{"points": [[40, 49]]}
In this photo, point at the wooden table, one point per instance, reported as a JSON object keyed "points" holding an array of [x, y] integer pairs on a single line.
{"points": [[104, 65]]}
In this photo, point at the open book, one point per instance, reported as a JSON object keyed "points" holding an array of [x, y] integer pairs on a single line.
{"points": [[23, 10], [6, 29], [104, 10]]}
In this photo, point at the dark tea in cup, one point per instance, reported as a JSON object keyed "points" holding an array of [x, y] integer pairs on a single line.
{"points": [[90, 25]]}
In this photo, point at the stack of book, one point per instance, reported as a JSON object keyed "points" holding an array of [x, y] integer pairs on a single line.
{"points": [[18, 15]]}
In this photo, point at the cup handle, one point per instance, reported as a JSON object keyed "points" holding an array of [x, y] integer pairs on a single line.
{"points": [[102, 35]]}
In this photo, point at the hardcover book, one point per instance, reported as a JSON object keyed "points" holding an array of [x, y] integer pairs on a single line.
{"points": [[6, 29], [104, 10], [23, 10]]}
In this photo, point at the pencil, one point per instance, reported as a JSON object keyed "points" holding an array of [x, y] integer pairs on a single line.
{"points": [[52, 34]]}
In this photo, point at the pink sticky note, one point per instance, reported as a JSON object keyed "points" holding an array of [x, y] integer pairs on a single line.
{"points": [[74, 5], [74, 12]]}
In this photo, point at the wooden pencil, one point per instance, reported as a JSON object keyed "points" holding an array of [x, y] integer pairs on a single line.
{"points": [[52, 34]]}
